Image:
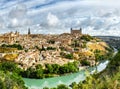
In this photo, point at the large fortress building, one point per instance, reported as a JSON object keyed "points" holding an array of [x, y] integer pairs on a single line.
{"points": [[75, 31]]}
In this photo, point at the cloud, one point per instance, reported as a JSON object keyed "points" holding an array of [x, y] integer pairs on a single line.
{"points": [[1, 22], [52, 20], [18, 12], [96, 17], [18, 16]]}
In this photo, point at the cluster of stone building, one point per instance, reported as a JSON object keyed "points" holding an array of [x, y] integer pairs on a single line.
{"points": [[12, 37], [31, 56]]}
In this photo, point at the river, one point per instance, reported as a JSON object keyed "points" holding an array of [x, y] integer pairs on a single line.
{"points": [[66, 79]]}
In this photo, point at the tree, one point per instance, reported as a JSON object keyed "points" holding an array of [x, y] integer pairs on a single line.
{"points": [[51, 41], [53, 88], [62, 86], [11, 81], [18, 46], [49, 68], [39, 73], [74, 85], [39, 66], [72, 67], [97, 57], [63, 69], [45, 88], [9, 66], [55, 68], [85, 63], [51, 48], [87, 37], [69, 56], [2, 85]]}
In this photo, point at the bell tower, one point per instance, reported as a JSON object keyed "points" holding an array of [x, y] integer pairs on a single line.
{"points": [[29, 31]]}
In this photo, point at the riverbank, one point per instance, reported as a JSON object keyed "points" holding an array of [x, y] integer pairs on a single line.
{"points": [[107, 79], [66, 79]]}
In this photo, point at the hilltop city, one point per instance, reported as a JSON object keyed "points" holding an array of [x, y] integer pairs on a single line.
{"points": [[31, 49]]}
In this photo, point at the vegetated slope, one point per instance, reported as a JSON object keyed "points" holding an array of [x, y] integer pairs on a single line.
{"points": [[9, 78], [11, 81], [108, 79], [114, 65]]}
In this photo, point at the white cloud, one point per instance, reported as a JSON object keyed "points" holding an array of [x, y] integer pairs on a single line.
{"points": [[1, 23], [18, 12], [97, 17], [17, 17], [52, 20]]}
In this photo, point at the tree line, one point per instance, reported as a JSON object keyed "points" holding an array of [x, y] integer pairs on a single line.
{"points": [[50, 70]]}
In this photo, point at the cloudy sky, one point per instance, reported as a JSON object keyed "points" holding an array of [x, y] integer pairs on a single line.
{"points": [[96, 17]]}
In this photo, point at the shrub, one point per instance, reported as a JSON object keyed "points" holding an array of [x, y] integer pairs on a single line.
{"points": [[18, 46], [87, 37], [85, 63], [51, 41]]}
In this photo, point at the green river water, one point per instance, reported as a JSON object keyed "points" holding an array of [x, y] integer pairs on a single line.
{"points": [[66, 79]]}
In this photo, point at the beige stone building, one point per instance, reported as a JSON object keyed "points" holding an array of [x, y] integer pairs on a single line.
{"points": [[75, 31], [9, 37]]}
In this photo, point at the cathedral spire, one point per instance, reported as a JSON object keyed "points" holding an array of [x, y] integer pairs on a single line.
{"points": [[29, 31]]}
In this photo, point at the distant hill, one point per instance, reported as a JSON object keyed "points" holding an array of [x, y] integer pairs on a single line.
{"points": [[111, 40]]}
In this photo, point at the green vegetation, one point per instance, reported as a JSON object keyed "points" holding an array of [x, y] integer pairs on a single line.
{"points": [[84, 45], [62, 48], [65, 55], [114, 65], [51, 41], [11, 81], [69, 68], [85, 63], [92, 82], [99, 56], [9, 66], [69, 56], [61, 86], [18, 46], [50, 48], [107, 79], [44, 49], [50, 70], [87, 37], [75, 43], [9, 76]]}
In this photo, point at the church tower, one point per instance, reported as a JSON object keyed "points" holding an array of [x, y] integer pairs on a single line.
{"points": [[29, 31]]}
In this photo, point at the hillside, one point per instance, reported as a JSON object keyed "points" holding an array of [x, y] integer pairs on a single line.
{"points": [[9, 78], [107, 79], [55, 49], [55, 55]]}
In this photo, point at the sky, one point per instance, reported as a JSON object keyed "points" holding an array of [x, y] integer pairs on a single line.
{"points": [[95, 17]]}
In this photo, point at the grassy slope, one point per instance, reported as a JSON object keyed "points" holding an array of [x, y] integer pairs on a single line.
{"points": [[108, 79]]}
